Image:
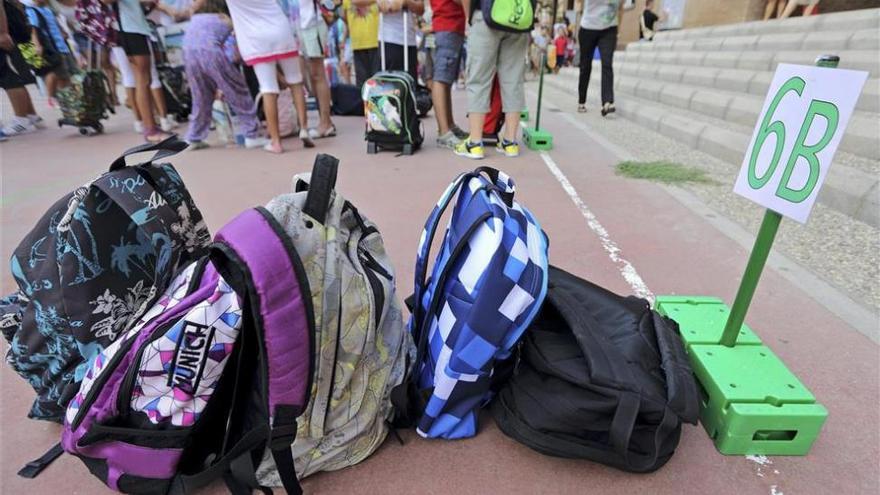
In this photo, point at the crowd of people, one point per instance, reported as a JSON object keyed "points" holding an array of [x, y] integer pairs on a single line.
{"points": [[263, 58]]}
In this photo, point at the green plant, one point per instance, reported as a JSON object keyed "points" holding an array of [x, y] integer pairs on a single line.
{"points": [[663, 171]]}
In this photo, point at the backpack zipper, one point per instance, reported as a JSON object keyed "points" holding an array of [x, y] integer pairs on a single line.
{"points": [[98, 384]]}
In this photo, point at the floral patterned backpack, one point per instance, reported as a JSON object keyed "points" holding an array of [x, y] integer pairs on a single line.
{"points": [[95, 261], [97, 21]]}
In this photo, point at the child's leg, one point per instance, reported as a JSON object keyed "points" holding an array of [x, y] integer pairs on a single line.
{"points": [[231, 82], [266, 75], [482, 64], [293, 77], [511, 72], [156, 87], [203, 87]]}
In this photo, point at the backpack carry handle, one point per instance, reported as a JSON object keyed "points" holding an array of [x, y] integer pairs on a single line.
{"points": [[504, 185], [164, 149], [321, 185]]}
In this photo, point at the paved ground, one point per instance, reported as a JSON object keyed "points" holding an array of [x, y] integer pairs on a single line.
{"points": [[673, 249]]}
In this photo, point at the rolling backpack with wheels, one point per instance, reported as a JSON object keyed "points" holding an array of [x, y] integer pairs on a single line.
{"points": [[86, 101], [390, 107], [601, 377], [213, 375], [95, 261], [486, 286], [361, 344]]}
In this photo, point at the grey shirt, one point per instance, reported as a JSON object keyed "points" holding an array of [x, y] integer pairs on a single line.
{"points": [[600, 14], [132, 18]]}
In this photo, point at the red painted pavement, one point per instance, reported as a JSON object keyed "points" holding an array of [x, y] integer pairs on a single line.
{"points": [[674, 251]]}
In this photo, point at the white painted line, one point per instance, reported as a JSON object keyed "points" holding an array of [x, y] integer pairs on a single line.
{"points": [[627, 270]]}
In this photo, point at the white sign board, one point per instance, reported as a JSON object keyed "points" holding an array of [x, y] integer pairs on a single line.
{"points": [[798, 131]]}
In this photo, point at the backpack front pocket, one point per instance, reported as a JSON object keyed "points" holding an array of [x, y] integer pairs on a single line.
{"points": [[177, 370]]}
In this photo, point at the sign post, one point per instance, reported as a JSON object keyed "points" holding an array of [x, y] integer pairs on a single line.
{"points": [[752, 403], [535, 137]]}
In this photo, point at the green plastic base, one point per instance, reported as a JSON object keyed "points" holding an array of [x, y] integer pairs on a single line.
{"points": [[537, 139], [752, 403], [701, 319], [524, 115]]}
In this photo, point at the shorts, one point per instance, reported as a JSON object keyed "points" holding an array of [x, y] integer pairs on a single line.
{"points": [[267, 73], [491, 51], [134, 44], [313, 40], [14, 71], [447, 56]]}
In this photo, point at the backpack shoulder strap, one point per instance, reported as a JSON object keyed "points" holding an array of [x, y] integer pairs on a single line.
{"points": [[261, 263]]}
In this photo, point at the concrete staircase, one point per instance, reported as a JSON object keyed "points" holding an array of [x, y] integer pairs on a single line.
{"points": [[705, 87]]}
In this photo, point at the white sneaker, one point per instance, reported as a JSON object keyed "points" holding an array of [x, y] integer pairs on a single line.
{"points": [[37, 121], [138, 127], [167, 124], [257, 142], [19, 125]]}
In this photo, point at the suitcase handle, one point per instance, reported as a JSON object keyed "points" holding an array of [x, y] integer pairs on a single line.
{"points": [[405, 39]]}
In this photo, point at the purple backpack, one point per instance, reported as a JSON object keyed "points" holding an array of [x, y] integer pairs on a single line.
{"points": [[209, 378]]}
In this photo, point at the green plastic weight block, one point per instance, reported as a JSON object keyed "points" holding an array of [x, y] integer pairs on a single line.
{"points": [[524, 115], [752, 403], [701, 319], [537, 139]]}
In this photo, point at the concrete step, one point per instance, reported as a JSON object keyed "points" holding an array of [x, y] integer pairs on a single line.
{"points": [[866, 60], [737, 80], [862, 136], [849, 190], [850, 21], [813, 41]]}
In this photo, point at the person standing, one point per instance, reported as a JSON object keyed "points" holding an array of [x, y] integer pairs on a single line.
{"points": [[362, 17], [392, 33], [311, 30], [447, 23], [50, 41], [598, 28], [647, 21], [491, 52], [266, 42], [15, 74], [208, 70]]}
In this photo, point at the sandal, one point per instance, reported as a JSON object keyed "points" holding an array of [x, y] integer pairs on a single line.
{"points": [[330, 132], [306, 137]]}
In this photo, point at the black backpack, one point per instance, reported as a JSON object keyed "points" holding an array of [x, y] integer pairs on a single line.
{"points": [[96, 260], [599, 377]]}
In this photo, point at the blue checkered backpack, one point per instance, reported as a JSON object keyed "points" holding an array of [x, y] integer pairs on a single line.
{"points": [[486, 286]]}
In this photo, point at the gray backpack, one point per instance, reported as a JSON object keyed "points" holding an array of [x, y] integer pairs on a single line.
{"points": [[362, 346]]}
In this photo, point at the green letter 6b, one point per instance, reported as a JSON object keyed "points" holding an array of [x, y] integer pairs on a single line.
{"points": [[776, 127], [829, 112]]}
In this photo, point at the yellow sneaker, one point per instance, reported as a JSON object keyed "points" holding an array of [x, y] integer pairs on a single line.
{"points": [[509, 148], [474, 151]]}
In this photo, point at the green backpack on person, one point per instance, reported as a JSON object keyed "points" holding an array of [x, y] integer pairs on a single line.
{"points": [[516, 16]]}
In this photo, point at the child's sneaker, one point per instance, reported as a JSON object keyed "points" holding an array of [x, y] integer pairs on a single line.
{"points": [[255, 142], [448, 140], [459, 132], [37, 121], [467, 149], [167, 124], [19, 125], [509, 148], [197, 145]]}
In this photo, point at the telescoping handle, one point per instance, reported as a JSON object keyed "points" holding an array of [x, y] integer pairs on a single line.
{"points": [[405, 12]]}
